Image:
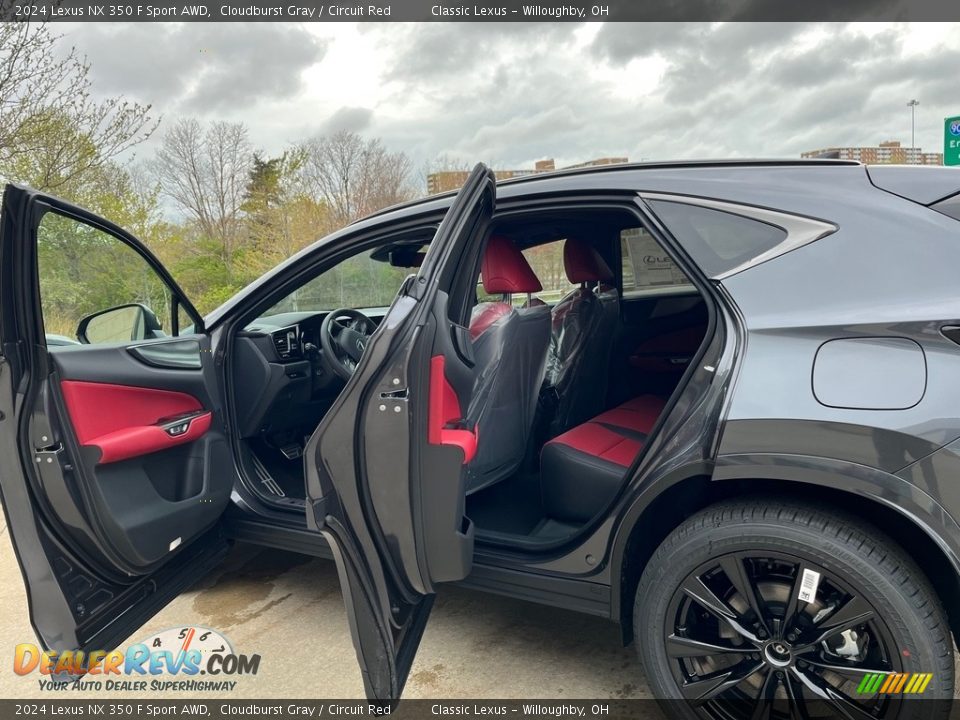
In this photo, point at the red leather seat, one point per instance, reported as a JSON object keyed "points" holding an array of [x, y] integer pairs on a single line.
{"points": [[582, 469]]}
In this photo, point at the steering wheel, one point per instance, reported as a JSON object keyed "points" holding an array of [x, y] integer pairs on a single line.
{"points": [[344, 334]]}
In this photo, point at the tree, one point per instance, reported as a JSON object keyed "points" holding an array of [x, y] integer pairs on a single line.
{"points": [[205, 171], [353, 176], [280, 217], [52, 132]]}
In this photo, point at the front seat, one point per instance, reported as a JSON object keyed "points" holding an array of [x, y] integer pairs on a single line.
{"points": [[583, 324], [510, 349]]}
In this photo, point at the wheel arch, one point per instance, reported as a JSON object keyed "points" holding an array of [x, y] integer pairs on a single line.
{"points": [[919, 527]]}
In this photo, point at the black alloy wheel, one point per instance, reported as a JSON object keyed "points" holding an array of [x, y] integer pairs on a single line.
{"points": [[767, 610]]}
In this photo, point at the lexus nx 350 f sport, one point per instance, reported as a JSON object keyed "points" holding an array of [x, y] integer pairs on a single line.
{"points": [[717, 403]]}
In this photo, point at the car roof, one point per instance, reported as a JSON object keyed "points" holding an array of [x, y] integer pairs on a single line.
{"points": [[753, 181], [633, 167]]}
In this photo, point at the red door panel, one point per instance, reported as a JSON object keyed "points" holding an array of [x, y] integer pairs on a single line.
{"points": [[125, 421]]}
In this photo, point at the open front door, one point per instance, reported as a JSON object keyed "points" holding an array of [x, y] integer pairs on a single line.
{"points": [[114, 467], [385, 469]]}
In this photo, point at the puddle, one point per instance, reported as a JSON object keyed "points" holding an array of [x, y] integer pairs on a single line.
{"points": [[237, 595]]}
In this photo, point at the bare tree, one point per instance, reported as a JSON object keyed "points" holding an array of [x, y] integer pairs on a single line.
{"points": [[51, 130], [205, 172], [354, 176]]}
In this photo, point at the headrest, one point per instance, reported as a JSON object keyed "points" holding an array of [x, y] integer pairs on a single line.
{"points": [[584, 264], [485, 315], [506, 270]]}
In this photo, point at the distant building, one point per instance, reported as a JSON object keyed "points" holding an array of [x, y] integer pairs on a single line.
{"points": [[446, 180], [890, 152]]}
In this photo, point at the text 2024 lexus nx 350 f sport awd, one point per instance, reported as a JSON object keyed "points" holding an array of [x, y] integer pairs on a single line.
{"points": [[717, 403]]}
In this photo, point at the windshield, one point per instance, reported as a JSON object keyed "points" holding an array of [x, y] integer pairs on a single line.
{"points": [[358, 282]]}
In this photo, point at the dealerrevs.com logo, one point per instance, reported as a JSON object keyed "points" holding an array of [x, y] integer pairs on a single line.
{"points": [[186, 659]]}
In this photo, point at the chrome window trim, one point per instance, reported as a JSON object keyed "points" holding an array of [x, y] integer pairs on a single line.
{"points": [[800, 230]]}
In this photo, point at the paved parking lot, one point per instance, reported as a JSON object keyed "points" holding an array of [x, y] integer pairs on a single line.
{"points": [[288, 609]]}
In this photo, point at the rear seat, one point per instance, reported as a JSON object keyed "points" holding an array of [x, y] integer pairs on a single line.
{"points": [[583, 468]]}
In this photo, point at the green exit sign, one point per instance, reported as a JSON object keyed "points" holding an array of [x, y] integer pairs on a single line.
{"points": [[951, 141]]}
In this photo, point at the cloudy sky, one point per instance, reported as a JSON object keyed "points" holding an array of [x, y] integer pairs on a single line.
{"points": [[511, 94]]}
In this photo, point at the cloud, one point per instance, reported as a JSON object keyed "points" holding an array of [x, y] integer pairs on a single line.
{"points": [[514, 93], [199, 68], [432, 50], [353, 119]]}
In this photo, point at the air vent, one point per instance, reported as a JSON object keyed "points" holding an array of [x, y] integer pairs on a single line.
{"points": [[287, 343]]}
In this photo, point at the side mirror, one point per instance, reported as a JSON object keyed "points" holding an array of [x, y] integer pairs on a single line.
{"points": [[124, 323]]}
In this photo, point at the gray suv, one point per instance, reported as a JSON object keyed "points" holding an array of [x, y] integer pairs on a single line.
{"points": [[716, 403]]}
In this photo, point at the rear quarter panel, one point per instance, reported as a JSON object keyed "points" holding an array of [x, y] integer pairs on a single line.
{"points": [[888, 272]]}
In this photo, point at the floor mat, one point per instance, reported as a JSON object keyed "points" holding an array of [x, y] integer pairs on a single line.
{"points": [[551, 529], [511, 506]]}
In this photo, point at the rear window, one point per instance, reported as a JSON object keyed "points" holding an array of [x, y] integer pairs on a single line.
{"points": [[718, 241]]}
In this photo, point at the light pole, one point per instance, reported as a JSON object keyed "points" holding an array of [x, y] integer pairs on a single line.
{"points": [[913, 128]]}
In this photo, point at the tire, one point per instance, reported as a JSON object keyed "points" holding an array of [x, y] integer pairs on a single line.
{"points": [[863, 575]]}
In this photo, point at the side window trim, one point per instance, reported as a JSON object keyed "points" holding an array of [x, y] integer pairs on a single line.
{"points": [[800, 230]]}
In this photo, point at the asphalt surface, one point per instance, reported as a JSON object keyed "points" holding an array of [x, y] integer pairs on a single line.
{"points": [[288, 608]]}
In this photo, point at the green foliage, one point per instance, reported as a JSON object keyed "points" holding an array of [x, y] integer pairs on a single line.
{"points": [[242, 212], [71, 255], [53, 134]]}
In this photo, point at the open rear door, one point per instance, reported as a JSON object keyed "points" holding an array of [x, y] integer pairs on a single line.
{"points": [[385, 469], [113, 457]]}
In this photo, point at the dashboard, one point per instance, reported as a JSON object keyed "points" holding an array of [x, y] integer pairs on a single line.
{"points": [[289, 333], [280, 380]]}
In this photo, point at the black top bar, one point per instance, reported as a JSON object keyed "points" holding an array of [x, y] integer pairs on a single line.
{"points": [[484, 11]]}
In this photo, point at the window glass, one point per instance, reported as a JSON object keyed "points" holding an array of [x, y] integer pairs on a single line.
{"points": [[647, 268], [93, 280], [358, 282], [718, 241], [547, 263]]}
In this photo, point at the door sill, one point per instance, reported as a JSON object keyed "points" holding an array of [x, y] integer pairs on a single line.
{"points": [[290, 535]]}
